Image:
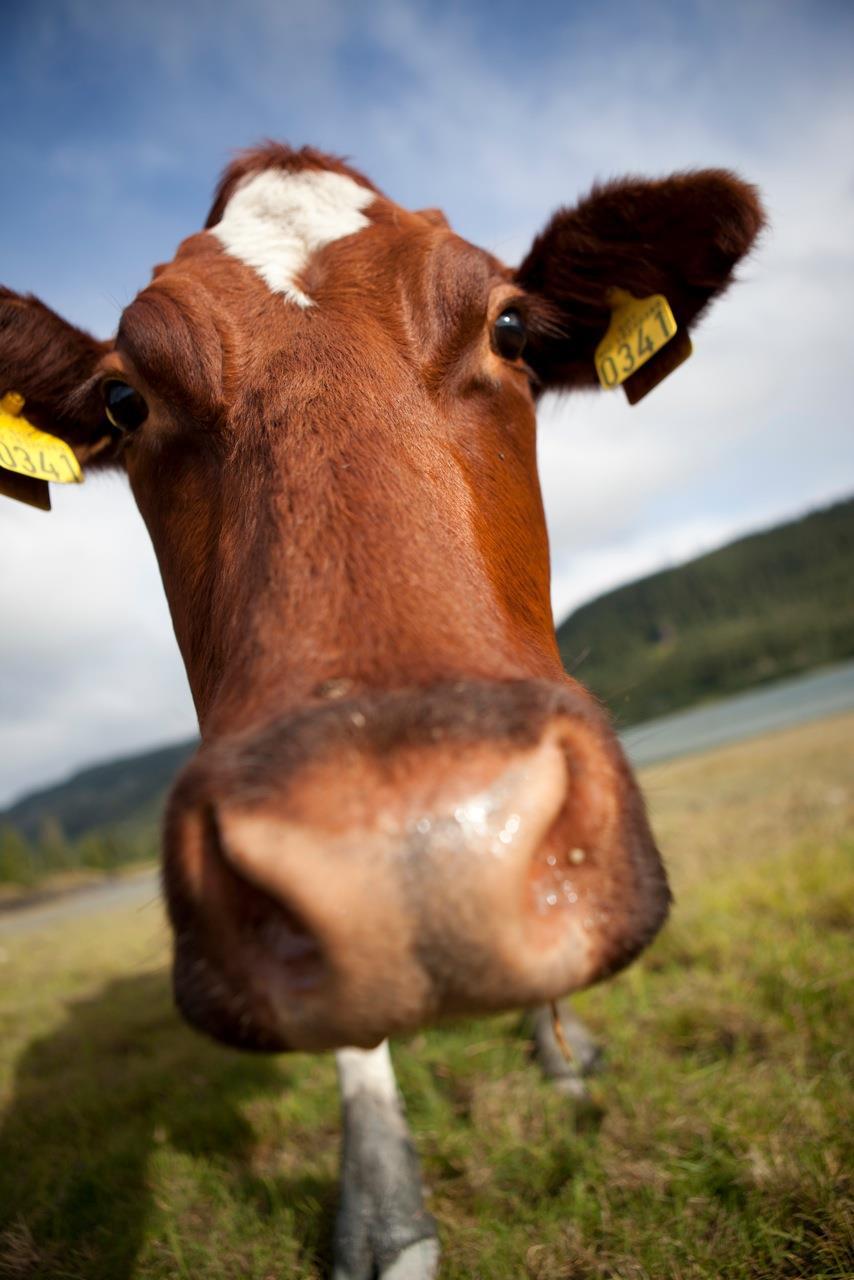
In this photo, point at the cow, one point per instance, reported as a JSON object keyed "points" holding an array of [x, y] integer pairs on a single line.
{"points": [[402, 809]]}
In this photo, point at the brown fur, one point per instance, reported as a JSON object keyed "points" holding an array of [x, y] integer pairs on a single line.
{"points": [[345, 498], [377, 429]]}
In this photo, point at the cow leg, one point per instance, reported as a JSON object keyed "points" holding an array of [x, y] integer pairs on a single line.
{"points": [[382, 1231], [568, 1076]]}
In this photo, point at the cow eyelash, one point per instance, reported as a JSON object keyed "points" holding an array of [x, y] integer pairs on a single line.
{"points": [[541, 323], [542, 318], [545, 325]]}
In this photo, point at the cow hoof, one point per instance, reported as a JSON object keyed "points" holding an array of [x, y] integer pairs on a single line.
{"points": [[374, 1242], [572, 1087], [587, 1054], [419, 1261], [416, 1261]]}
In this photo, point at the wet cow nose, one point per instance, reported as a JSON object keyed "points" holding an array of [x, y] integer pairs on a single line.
{"points": [[440, 906], [376, 890]]}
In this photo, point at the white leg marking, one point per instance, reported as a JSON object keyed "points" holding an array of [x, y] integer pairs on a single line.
{"points": [[276, 220], [382, 1226], [368, 1069]]}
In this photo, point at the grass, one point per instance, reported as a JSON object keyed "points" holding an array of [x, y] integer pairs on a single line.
{"points": [[132, 1148]]}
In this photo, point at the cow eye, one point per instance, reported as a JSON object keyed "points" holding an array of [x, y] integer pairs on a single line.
{"points": [[509, 334], [124, 407]]}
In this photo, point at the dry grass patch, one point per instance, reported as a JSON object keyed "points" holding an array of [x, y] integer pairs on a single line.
{"points": [[130, 1149]]}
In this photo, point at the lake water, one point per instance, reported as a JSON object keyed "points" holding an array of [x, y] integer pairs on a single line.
{"points": [[745, 715]]}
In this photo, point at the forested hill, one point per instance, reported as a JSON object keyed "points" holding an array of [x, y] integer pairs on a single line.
{"points": [[124, 795], [763, 607]]}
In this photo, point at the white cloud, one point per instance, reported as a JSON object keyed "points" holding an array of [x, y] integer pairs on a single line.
{"points": [[90, 665]]}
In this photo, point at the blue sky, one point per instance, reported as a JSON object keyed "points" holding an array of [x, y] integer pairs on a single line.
{"points": [[116, 118]]}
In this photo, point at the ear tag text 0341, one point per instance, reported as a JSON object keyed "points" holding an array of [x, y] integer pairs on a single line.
{"points": [[636, 337], [30, 457]]}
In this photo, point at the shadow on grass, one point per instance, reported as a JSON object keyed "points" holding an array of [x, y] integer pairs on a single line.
{"points": [[93, 1102]]}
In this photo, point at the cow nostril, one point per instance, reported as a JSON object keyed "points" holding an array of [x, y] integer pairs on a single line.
{"points": [[284, 940], [273, 935], [293, 952]]}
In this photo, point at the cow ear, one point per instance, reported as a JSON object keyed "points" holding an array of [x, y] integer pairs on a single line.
{"points": [[51, 366], [680, 237]]}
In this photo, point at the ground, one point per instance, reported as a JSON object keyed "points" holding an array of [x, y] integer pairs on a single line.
{"points": [[719, 1145]]}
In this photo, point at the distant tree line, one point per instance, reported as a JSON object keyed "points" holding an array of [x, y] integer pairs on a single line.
{"points": [[25, 862]]}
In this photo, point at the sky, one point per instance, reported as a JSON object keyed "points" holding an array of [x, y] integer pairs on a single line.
{"points": [[115, 120]]}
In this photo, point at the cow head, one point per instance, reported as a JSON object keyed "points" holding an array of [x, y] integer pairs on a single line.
{"points": [[325, 404]]}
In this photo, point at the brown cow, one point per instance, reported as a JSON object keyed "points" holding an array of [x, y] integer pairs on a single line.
{"points": [[402, 808]]}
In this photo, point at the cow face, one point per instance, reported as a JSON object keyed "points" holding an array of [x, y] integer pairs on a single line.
{"points": [[325, 404]]}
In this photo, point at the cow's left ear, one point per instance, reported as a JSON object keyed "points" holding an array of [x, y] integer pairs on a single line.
{"points": [[680, 236]]}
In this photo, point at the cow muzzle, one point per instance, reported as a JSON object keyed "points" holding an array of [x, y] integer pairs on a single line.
{"points": [[388, 880]]}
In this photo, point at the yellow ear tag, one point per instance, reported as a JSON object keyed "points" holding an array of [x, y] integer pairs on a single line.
{"points": [[639, 328], [30, 452]]}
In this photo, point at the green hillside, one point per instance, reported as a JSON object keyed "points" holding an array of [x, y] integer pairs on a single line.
{"points": [[103, 795], [766, 606], [99, 819], [763, 607]]}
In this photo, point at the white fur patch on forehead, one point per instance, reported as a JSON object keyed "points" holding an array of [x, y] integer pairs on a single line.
{"points": [[276, 220]]}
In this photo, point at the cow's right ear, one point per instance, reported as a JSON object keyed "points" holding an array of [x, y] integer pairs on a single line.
{"points": [[53, 366]]}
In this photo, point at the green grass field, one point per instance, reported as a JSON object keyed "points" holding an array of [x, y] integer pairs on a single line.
{"points": [[721, 1145]]}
